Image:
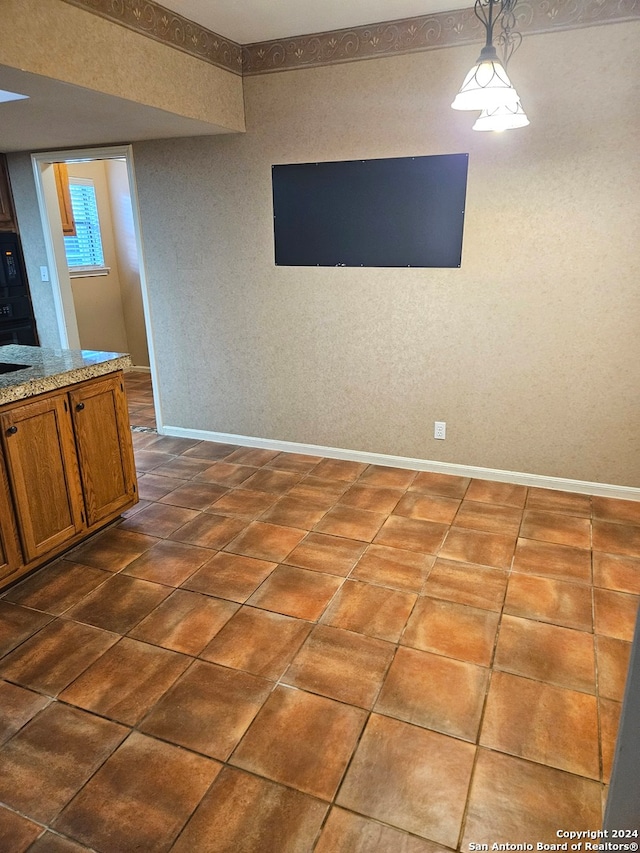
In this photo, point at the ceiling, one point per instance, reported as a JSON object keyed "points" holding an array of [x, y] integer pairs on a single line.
{"points": [[263, 20], [58, 115]]}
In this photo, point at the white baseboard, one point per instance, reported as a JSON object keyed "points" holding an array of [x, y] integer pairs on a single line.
{"points": [[580, 486]]}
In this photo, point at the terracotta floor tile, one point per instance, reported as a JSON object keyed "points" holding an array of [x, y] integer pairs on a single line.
{"points": [[119, 603], [395, 764], [302, 740], [142, 504], [271, 542], [427, 507], [194, 495], [559, 656], [255, 456], [490, 518], [435, 692], [447, 485], [147, 460], [55, 656], [381, 475], [16, 832], [350, 522], [338, 469], [159, 520], [184, 622], [210, 450], [615, 613], [612, 571], [613, 509], [126, 681], [490, 491], [610, 712], [271, 480], [225, 474], [208, 709], [412, 534], [464, 583], [140, 798], [299, 463], [345, 832], [556, 561], [294, 512], [168, 562], [475, 546], [514, 802], [209, 531], [549, 600], [244, 813], [341, 665], [330, 554], [318, 489], [454, 630], [243, 503], [556, 527], [230, 576], [152, 487], [550, 500], [50, 843], [17, 623], [561, 725], [258, 642], [372, 498], [613, 657], [49, 760], [393, 567], [17, 707], [296, 592], [172, 444], [112, 550], [371, 610], [616, 538], [57, 587], [182, 468]]}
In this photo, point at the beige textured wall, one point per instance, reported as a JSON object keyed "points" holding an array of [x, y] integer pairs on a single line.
{"points": [[100, 55], [530, 352]]}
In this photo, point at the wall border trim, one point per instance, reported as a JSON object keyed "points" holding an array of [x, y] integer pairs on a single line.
{"points": [[519, 478], [387, 38]]}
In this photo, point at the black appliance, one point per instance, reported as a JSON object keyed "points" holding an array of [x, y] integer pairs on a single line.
{"points": [[17, 325]]}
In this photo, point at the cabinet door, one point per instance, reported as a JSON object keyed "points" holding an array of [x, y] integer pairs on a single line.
{"points": [[61, 175], [43, 470], [10, 557], [7, 216], [105, 452]]}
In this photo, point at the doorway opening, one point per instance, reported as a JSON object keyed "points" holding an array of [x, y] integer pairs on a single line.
{"points": [[89, 211]]}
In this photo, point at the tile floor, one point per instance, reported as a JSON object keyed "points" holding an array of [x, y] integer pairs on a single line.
{"points": [[140, 398], [275, 652]]}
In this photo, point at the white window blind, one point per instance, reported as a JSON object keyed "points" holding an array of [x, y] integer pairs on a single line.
{"points": [[85, 249]]}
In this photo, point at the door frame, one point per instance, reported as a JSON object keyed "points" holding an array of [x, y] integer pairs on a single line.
{"points": [[56, 258]]}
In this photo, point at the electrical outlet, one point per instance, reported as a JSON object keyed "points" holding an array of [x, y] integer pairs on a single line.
{"points": [[440, 429]]}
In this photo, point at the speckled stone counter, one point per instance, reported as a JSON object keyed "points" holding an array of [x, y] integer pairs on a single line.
{"points": [[50, 369]]}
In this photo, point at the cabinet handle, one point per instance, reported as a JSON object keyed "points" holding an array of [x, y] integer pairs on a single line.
{"points": [[79, 407], [12, 430]]}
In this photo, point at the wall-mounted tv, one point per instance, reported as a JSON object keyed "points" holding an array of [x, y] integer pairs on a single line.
{"points": [[394, 212]]}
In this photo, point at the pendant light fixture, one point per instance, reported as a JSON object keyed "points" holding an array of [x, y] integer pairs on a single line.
{"points": [[487, 86]]}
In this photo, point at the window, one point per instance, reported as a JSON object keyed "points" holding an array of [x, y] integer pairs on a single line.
{"points": [[84, 250]]}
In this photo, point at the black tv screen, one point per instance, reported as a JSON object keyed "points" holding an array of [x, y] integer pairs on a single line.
{"points": [[396, 212]]}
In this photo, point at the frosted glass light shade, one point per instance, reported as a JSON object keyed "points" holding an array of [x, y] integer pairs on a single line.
{"points": [[486, 86], [502, 118]]}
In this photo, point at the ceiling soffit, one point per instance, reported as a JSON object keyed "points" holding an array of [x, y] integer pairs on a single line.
{"points": [[427, 32]]}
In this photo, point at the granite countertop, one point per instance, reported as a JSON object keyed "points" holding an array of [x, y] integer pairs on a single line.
{"points": [[49, 369]]}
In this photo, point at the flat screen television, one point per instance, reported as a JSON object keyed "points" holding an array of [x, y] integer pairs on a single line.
{"points": [[394, 212]]}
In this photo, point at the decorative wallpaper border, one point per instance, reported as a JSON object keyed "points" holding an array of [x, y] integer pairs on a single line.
{"points": [[427, 32], [153, 20]]}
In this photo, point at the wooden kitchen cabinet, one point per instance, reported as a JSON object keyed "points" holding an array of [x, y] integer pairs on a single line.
{"points": [[61, 175], [69, 470], [10, 556], [7, 213], [105, 452]]}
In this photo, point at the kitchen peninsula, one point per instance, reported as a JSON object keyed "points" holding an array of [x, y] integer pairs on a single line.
{"points": [[66, 456]]}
